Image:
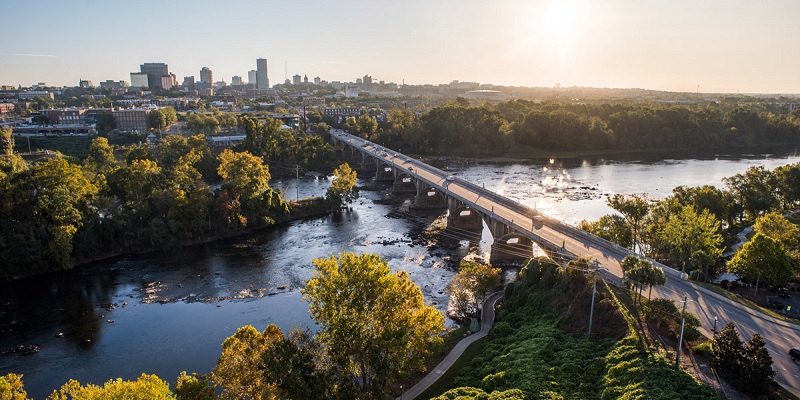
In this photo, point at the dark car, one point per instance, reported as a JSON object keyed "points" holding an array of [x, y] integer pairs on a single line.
{"points": [[794, 354], [775, 304], [783, 292]]}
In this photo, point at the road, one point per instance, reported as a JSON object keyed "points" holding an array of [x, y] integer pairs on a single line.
{"points": [[779, 335]]}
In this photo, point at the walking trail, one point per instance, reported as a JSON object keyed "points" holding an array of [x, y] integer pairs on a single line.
{"points": [[487, 319]]}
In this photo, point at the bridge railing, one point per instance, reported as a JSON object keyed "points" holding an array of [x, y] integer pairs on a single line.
{"points": [[564, 228]]}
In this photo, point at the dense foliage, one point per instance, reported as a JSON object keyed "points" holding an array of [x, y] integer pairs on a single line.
{"points": [[519, 124], [686, 230], [54, 214], [538, 347], [747, 365]]}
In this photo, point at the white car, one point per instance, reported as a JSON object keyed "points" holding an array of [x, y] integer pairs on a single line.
{"points": [[538, 218], [450, 178]]}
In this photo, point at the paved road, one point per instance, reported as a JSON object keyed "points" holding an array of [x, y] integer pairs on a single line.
{"points": [[487, 319], [779, 335]]}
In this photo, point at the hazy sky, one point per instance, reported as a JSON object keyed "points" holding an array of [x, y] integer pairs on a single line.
{"points": [[735, 46]]}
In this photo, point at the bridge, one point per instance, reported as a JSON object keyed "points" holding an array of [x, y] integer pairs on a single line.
{"points": [[514, 227]]}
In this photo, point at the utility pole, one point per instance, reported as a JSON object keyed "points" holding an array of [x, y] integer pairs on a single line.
{"points": [[680, 338], [297, 188], [594, 286]]}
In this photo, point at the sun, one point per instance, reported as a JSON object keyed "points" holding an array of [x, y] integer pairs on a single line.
{"points": [[560, 18]]}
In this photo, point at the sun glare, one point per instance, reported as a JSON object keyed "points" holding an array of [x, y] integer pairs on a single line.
{"points": [[560, 18]]}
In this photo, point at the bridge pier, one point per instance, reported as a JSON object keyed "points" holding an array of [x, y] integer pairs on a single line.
{"points": [[429, 198], [404, 183]]}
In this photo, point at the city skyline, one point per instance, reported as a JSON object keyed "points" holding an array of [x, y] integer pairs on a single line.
{"points": [[713, 47]]}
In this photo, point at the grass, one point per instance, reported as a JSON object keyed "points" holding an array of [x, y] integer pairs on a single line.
{"points": [[746, 302], [76, 147], [445, 381]]}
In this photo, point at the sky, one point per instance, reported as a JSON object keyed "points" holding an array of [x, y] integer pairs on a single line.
{"points": [[711, 46]]}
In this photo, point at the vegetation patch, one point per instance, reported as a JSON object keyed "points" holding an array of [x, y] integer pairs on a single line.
{"points": [[539, 347]]}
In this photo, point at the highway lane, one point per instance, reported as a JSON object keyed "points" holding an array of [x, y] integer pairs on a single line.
{"points": [[779, 335]]}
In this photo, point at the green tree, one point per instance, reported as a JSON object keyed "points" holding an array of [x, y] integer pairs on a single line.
{"points": [[367, 125], [471, 393], [156, 120], [314, 117], [194, 387], [148, 387], [755, 190], [227, 120], [476, 280], [202, 123], [294, 364], [613, 228], [788, 181], [727, 352], [6, 141], [761, 259], [100, 159], [757, 373], [689, 231], [634, 208], [105, 123], [779, 228], [343, 188], [11, 387], [239, 370], [246, 178], [374, 323], [351, 126]]}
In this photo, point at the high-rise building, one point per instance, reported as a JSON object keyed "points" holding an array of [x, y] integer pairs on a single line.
{"points": [[262, 81], [296, 79], [316, 81], [139, 80], [305, 78], [367, 80], [251, 77], [236, 80], [188, 82], [206, 76], [154, 71]]}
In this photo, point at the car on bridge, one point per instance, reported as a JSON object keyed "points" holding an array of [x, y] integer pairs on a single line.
{"points": [[450, 178], [794, 353]]}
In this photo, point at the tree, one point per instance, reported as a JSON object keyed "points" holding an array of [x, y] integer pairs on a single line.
{"points": [[757, 373], [374, 323], [343, 188], [246, 178], [105, 123], [156, 120], [779, 228], [472, 282], [762, 258], [294, 364], [100, 159], [6, 141], [146, 386], [239, 370], [367, 125], [634, 208], [11, 387], [727, 351], [194, 387], [642, 272], [755, 190], [689, 231], [611, 227]]}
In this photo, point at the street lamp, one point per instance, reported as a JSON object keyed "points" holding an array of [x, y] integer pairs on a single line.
{"points": [[714, 330]]}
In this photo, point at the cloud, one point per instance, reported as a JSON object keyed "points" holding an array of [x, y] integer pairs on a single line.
{"points": [[27, 55]]}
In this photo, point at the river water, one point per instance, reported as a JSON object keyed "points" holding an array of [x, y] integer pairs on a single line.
{"points": [[163, 313]]}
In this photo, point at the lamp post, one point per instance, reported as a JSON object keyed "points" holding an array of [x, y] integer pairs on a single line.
{"points": [[714, 330]]}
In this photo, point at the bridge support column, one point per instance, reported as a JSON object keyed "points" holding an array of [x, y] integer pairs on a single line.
{"points": [[429, 198]]}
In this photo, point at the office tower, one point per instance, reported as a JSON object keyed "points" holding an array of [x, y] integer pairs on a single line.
{"points": [[316, 80], [367, 80], [154, 71], [296, 79], [262, 81], [206, 76], [236, 80], [251, 77], [139, 80], [305, 78], [188, 82]]}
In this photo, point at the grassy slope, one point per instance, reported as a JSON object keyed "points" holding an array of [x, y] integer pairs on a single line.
{"points": [[539, 346]]}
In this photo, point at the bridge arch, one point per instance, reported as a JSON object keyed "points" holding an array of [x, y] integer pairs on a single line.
{"points": [[465, 218], [404, 183], [512, 246], [430, 197]]}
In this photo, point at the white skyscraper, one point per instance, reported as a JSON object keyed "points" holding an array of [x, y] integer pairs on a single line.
{"points": [[251, 77]]}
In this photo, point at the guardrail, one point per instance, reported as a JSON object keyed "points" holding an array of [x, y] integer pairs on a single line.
{"points": [[516, 206]]}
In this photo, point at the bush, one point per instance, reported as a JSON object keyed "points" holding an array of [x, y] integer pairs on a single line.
{"points": [[703, 349]]}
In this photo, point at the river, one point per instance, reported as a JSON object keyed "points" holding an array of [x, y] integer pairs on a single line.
{"points": [[163, 313]]}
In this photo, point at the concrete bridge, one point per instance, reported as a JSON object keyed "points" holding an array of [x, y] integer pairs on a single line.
{"points": [[514, 227]]}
